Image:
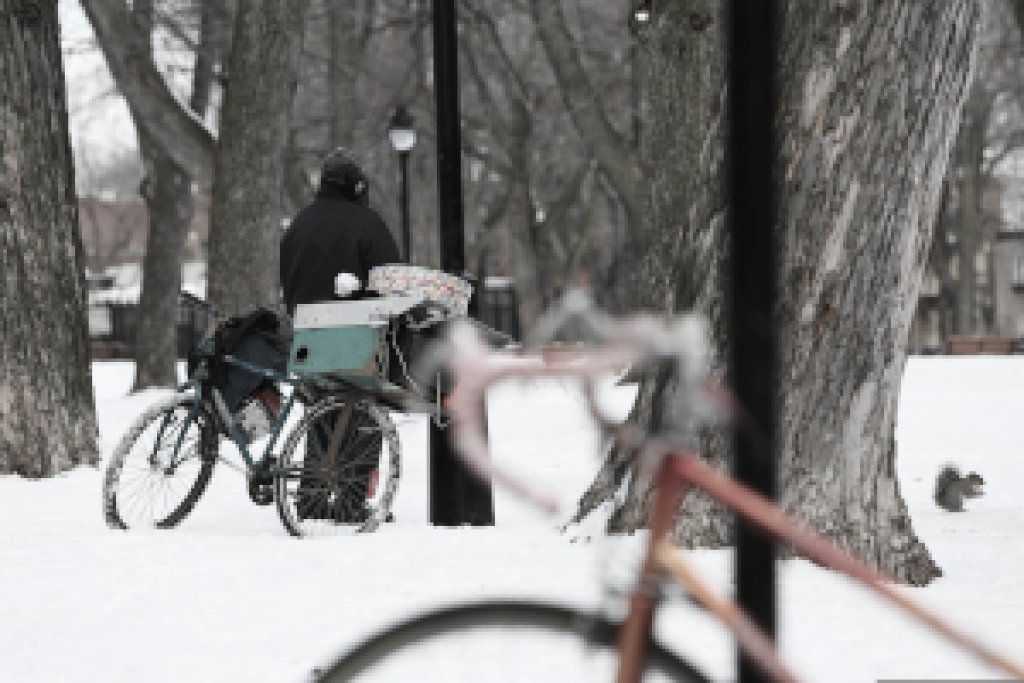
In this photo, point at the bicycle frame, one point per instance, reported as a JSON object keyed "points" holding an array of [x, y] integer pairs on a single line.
{"points": [[674, 474], [679, 472], [197, 382]]}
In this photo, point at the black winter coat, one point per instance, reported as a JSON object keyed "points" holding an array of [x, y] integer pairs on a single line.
{"points": [[330, 236]]}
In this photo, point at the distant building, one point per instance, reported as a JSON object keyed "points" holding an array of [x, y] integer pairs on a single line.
{"points": [[115, 229], [1008, 265]]}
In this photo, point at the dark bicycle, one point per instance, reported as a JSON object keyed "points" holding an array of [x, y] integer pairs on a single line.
{"points": [[339, 466]]}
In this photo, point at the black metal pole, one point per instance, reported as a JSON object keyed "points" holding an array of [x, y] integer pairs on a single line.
{"points": [[751, 156], [449, 137], [403, 160], [456, 496]]}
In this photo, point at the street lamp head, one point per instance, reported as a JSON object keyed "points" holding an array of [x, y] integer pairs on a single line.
{"points": [[642, 12], [402, 130]]}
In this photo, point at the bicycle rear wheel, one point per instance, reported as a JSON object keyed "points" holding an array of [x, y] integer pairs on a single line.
{"points": [[349, 491], [499, 641], [161, 467]]}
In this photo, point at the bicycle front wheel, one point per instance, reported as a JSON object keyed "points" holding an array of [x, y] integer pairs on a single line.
{"points": [[499, 641], [161, 467], [340, 469]]}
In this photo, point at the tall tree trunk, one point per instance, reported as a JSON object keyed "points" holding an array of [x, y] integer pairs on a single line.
{"points": [[167, 191], [871, 97], [349, 22], [47, 411], [215, 23], [880, 131], [972, 152], [940, 258], [207, 58], [683, 64], [246, 216]]}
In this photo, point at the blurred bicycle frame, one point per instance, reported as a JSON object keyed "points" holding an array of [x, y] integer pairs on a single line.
{"points": [[666, 461]]}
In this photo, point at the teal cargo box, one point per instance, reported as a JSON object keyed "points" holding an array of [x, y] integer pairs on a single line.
{"points": [[345, 339], [356, 353]]}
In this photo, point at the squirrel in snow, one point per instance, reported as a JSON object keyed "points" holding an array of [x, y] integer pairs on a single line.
{"points": [[951, 488]]}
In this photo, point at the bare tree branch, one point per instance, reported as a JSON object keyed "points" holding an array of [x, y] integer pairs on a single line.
{"points": [[612, 150], [181, 136]]}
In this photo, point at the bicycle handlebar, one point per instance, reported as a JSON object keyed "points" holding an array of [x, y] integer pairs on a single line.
{"points": [[643, 341], [639, 341], [191, 300]]}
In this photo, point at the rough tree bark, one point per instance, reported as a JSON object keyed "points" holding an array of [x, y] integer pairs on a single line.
{"points": [[871, 97], [47, 413], [167, 191], [249, 175], [869, 118]]}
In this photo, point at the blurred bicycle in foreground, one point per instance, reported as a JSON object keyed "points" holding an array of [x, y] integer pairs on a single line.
{"points": [[529, 641]]}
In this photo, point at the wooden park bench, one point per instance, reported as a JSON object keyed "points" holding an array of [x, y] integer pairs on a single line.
{"points": [[974, 345]]}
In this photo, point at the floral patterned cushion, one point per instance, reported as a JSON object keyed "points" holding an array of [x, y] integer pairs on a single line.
{"points": [[433, 285]]}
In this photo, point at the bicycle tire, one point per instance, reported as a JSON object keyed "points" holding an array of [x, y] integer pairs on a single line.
{"points": [[594, 632], [200, 456], [313, 503]]}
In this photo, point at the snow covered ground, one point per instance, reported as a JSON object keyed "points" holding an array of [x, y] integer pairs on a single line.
{"points": [[229, 596]]}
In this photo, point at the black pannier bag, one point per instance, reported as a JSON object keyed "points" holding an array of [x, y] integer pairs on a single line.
{"points": [[257, 336]]}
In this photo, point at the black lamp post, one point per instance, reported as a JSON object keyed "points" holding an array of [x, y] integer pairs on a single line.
{"points": [[402, 133], [752, 149], [457, 497]]}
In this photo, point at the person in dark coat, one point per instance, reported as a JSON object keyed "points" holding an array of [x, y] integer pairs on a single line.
{"points": [[337, 233]]}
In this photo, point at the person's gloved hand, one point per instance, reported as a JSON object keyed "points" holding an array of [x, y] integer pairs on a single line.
{"points": [[346, 284], [425, 315]]}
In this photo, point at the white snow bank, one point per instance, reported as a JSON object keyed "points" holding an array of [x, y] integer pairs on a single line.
{"points": [[229, 596]]}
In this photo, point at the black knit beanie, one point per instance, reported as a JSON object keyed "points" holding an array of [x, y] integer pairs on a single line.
{"points": [[341, 171]]}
